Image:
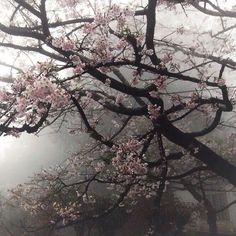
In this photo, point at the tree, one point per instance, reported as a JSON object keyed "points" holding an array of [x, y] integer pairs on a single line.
{"points": [[117, 61]]}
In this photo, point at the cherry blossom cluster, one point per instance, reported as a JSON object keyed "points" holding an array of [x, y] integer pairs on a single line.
{"points": [[64, 43], [154, 111], [107, 34], [4, 95], [129, 165], [38, 194], [127, 162], [160, 82], [35, 91], [68, 213], [114, 12], [192, 103], [79, 65], [30, 96], [44, 67]]}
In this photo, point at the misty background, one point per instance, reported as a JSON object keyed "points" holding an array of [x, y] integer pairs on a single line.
{"points": [[21, 157]]}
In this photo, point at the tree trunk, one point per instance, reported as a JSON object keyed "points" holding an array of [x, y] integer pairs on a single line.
{"points": [[214, 161], [211, 220], [211, 214]]}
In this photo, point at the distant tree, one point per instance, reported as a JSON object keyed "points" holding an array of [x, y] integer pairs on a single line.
{"points": [[130, 83]]}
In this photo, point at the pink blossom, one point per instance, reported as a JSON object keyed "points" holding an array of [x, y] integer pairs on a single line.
{"points": [[175, 98], [154, 94], [154, 112], [68, 45], [190, 104], [202, 84], [78, 70], [160, 82], [108, 82], [3, 95], [64, 43], [21, 104], [119, 98], [167, 58]]}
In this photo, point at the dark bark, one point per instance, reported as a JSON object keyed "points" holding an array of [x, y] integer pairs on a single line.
{"points": [[150, 30], [211, 213], [211, 220], [214, 161]]}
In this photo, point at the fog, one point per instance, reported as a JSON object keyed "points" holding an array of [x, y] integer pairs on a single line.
{"points": [[21, 157]]}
